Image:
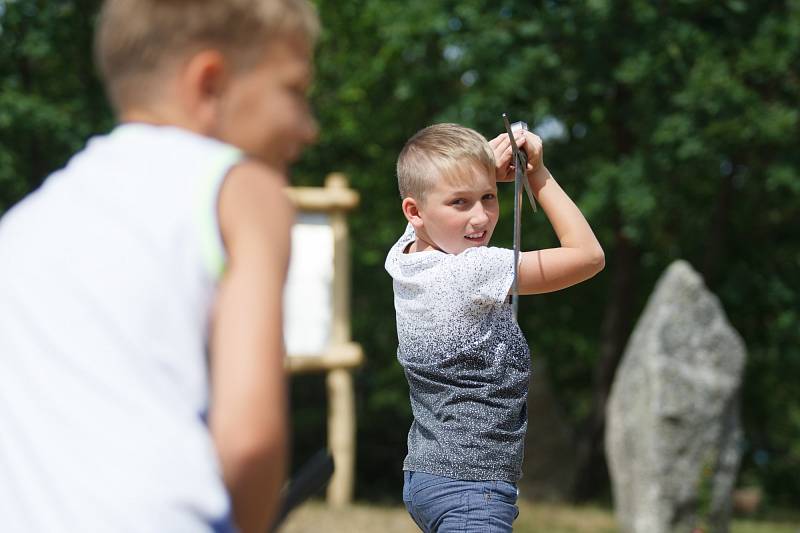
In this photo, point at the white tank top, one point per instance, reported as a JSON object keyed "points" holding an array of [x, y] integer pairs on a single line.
{"points": [[107, 277]]}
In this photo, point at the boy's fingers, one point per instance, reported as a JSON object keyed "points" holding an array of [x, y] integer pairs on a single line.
{"points": [[508, 155], [534, 140], [502, 141], [504, 153], [533, 145]]}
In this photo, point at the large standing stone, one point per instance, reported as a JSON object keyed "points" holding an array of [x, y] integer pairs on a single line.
{"points": [[672, 433]]}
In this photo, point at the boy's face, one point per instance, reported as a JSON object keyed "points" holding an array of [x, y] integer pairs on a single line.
{"points": [[455, 217], [266, 112]]}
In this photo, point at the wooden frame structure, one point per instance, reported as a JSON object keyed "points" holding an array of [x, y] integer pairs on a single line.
{"points": [[342, 355]]}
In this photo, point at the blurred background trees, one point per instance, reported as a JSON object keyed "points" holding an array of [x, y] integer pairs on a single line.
{"points": [[674, 125]]}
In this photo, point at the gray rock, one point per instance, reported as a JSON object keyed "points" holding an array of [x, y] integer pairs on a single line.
{"points": [[673, 433]]}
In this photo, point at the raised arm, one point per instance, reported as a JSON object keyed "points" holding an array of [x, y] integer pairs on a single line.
{"points": [[248, 418], [580, 255]]}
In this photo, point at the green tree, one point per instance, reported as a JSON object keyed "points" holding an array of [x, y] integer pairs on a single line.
{"points": [[50, 98]]}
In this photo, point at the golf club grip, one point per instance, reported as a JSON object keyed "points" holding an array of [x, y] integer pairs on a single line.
{"points": [[311, 477]]}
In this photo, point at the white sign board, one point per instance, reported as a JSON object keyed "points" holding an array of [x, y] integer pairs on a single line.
{"points": [[308, 303]]}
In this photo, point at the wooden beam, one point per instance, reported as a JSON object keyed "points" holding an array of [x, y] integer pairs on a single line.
{"points": [[347, 355], [335, 196]]}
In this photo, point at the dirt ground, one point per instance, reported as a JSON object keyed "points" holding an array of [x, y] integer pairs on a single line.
{"points": [[315, 517]]}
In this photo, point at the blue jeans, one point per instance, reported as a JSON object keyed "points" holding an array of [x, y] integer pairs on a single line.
{"points": [[444, 505]]}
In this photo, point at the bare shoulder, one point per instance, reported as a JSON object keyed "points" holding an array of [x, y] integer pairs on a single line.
{"points": [[253, 202]]}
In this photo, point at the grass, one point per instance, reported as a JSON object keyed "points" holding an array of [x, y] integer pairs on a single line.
{"points": [[534, 518], [559, 518], [751, 526]]}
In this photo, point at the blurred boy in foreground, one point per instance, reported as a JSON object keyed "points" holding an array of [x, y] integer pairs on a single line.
{"points": [[142, 385]]}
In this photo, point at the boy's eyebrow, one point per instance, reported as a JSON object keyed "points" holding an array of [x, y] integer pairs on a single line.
{"points": [[470, 191]]}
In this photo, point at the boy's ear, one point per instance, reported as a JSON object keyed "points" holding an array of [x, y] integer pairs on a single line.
{"points": [[412, 212], [203, 82]]}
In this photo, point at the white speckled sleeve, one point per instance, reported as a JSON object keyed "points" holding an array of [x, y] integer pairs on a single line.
{"points": [[485, 273]]}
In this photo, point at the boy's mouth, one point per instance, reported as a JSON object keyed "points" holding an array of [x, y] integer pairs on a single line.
{"points": [[476, 237]]}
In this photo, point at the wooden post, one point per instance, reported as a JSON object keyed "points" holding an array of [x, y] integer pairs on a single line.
{"points": [[341, 410], [341, 436], [341, 355], [340, 327]]}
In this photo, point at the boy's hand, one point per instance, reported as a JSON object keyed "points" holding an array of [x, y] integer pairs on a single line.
{"points": [[503, 155], [534, 149]]}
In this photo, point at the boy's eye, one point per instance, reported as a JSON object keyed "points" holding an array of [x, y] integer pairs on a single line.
{"points": [[458, 201], [489, 196]]}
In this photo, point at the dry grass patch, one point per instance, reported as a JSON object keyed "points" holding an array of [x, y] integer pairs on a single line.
{"points": [[558, 518], [316, 517]]}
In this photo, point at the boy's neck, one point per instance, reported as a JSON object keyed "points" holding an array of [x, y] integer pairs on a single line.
{"points": [[422, 245], [162, 117]]}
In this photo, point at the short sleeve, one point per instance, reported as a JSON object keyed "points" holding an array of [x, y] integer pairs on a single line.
{"points": [[212, 248], [484, 273]]}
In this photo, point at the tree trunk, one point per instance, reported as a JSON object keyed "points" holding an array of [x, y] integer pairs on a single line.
{"points": [[715, 244], [592, 472]]}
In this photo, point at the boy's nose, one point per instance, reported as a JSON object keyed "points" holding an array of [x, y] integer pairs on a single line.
{"points": [[479, 217]]}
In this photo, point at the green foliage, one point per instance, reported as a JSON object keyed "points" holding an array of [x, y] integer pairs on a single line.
{"points": [[50, 99], [676, 127]]}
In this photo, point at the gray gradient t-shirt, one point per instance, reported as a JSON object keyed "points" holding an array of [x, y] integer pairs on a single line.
{"points": [[466, 361]]}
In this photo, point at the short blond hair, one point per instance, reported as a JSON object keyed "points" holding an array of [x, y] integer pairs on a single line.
{"points": [[442, 151], [136, 38]]}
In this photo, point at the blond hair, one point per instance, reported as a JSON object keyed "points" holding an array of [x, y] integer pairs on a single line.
{"points": [[442, 151], [136, 38]]}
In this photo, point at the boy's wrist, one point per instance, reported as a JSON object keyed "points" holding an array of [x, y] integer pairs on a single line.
{"points": [[538, 177]]}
